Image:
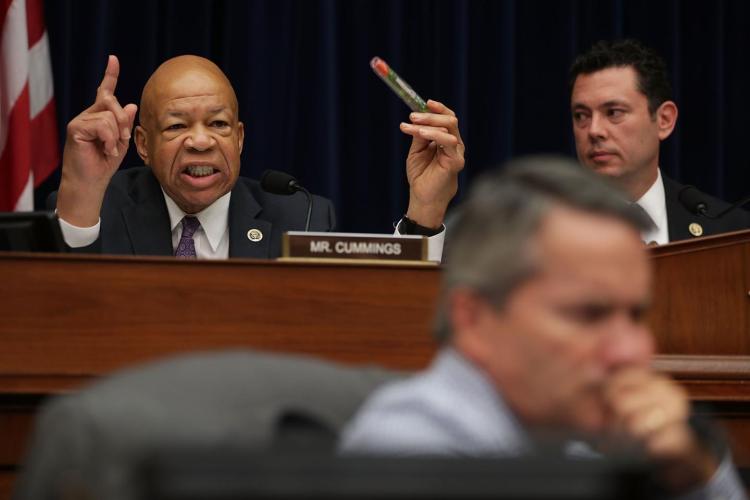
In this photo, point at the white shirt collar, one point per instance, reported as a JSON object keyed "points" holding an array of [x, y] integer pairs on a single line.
{"points": [[214, 218], [655, 205]]}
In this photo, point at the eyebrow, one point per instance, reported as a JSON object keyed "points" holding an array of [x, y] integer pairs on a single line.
{"points": [[606, 104], [615, 102], [212, 111]]}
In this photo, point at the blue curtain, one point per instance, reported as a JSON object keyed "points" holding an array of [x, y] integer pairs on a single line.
{"points": [[312, 106]]}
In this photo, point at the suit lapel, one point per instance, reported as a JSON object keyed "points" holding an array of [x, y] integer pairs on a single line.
{"points": [[243, 212], [147, 219]]}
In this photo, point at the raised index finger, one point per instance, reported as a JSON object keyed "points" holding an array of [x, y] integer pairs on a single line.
{"points": [[109, 82]]}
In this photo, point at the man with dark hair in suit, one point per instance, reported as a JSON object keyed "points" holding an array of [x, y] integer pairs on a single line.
{"points": [[190, 201], [622, 108]]}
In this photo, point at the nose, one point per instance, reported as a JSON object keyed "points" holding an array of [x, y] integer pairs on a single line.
{"points": [[597, 127], [627, 343], [199, 139]]}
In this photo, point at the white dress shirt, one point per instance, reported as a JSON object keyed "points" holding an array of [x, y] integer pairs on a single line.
{"points": [[655, 205], [434, 244], [212, 238]]}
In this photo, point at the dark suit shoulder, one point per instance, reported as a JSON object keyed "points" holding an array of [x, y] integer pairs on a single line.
{"points": [[680, 217], [134, 182], [126, 176], [257, 191], [120, 186], [291, 209]]}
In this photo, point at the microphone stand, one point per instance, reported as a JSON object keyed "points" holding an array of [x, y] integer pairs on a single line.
{"points": [[309, 205], [734, 206]]}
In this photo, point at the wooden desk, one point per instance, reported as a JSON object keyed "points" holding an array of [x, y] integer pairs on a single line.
{"points": [[69, 318]]}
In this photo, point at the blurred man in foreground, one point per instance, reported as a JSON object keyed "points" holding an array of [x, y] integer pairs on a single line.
{"points": [[191, 201], [543, 329], [622, 109]]}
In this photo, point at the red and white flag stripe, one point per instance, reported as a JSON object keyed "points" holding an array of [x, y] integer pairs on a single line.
{"points": [[28, 126]]}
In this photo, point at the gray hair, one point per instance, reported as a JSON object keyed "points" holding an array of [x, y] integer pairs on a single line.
{"points": [[488, 245]]}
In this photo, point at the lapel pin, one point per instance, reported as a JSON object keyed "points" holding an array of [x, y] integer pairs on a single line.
{"points": [[254, 235], [695, 229]]}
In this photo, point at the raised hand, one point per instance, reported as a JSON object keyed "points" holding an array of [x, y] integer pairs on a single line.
{"points": [[435, 158], [96, 142]]}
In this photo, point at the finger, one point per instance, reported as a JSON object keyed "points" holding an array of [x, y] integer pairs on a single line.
{"points": [[633, 392], [448, 122], [646, 387], [628, 380], [131, 110], [428, 133], [418, 143], [642, 416], [416, 130], [123, 119], [441, 137], [439, 107], [111, 74], [669, 402], [654, 422], [445, 119], [441, 117], [100, 127]]}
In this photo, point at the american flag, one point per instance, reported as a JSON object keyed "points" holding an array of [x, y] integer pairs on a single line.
{"points": [[28, 126]]}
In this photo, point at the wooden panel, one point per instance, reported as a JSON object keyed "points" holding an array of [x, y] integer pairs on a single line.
{"points": [[16, 422], [69, 319], [91, 315], [720, 387], [701, 302], [6, 483]]}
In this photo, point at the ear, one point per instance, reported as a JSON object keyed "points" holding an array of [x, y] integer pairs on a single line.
{"points": [[666, 119], [466, 310], [240, 135], [474, 324], [140, 144]]}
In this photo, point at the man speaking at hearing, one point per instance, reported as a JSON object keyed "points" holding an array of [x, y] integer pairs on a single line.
{"points": [[190, 201]]}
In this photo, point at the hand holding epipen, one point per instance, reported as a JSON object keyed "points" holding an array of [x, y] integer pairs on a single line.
{"points": [[400, 87]]}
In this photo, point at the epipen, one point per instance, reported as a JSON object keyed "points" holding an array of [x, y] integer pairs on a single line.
{"points": [[400, 87]]}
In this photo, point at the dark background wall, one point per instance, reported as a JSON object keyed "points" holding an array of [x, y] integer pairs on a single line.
{"points": [[312, 106]]}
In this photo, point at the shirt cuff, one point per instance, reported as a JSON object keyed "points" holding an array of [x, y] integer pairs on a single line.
{"points": [[434, 244], [725, 485], [77, 237]]}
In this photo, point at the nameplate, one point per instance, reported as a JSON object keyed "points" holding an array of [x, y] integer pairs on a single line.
{"points": [[318, 245]]}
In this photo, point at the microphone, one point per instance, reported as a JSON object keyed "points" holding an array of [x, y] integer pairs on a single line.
{"points": [[694, 201], [276, 182]]}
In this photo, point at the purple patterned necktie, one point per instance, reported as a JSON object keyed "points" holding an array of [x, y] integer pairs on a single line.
{"points": [[186, 248]]}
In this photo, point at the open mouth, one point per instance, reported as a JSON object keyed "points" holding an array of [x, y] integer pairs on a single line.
{"points": [[199, 170]]}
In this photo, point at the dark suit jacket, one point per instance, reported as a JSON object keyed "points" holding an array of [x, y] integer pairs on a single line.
{"points": [[679, 218], [135, 221]]}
